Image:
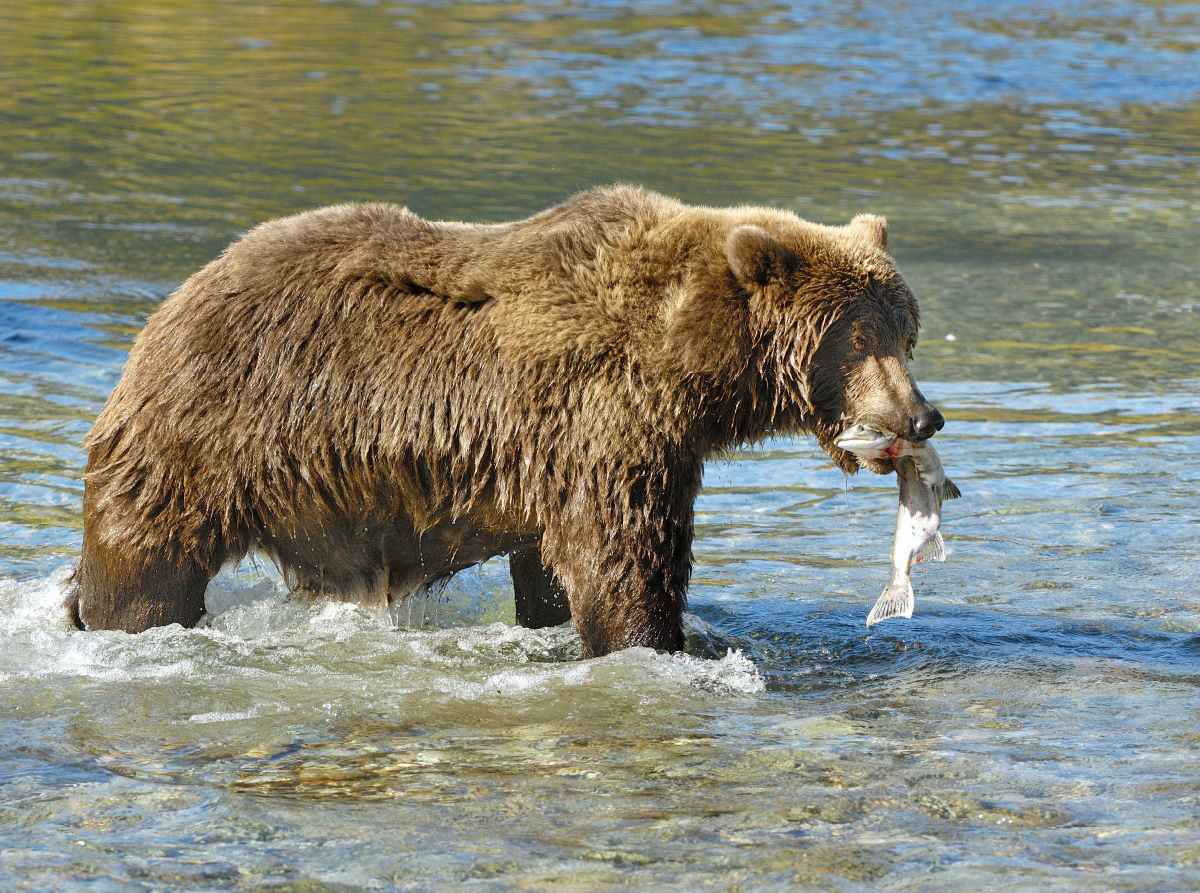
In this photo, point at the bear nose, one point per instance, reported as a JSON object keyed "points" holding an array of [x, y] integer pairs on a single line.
{"points": [[928, 423]]}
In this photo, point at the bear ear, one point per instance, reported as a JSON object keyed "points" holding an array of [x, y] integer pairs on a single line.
{"points": [[756, 258], [874, 226]]}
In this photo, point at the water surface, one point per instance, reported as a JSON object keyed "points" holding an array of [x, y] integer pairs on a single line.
{"points": [[1034, 726]]}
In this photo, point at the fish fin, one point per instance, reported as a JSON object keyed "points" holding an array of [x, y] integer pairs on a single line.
{"points": [[934, 549], [950, 490], [896, 601]]}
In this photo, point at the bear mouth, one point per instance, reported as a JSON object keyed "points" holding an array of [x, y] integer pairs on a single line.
{"points": [[879, 466]]}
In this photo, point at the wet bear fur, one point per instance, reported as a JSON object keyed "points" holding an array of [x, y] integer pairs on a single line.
{"points": [[376, 401]]}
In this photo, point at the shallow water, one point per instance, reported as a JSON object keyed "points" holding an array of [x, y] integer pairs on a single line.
{"points": [[1034, 726]]}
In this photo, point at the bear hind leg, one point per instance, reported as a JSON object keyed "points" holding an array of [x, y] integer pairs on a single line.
{"points": [[540, 601]]}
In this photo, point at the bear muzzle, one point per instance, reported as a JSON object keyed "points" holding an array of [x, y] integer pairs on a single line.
{"points": [[926, 423]]}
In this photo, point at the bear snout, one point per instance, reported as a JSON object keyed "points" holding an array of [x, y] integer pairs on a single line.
{"points": [[926, 423]]}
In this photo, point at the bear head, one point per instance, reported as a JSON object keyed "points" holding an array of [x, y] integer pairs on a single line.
{"points": [[835, 326]]}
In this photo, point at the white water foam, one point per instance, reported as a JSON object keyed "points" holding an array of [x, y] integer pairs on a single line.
{"points": [[259, 630]]}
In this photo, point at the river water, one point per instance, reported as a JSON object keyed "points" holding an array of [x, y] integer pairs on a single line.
{"points": [[1035, 726]]}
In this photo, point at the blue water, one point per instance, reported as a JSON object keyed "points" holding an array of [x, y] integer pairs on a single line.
{"points": [[836, 57]]}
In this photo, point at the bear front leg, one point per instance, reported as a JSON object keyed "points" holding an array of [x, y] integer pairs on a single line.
{"points": [[626, 577], [540, 601], [629, 607]]}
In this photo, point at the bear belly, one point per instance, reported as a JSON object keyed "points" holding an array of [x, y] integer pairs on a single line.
{"points": [[375, 563]]}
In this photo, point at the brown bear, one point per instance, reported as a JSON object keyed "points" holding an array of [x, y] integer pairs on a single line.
{"points": [[377, 401]]}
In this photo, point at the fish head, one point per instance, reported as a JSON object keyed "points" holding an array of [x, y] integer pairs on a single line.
{"points": [[866, 440]]}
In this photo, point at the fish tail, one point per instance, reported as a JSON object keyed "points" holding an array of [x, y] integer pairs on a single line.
{"points": [[896, 601], [950, 490], [934, 549]]}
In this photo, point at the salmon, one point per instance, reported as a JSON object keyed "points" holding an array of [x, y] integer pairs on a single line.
{"points": [[923, 488]]}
